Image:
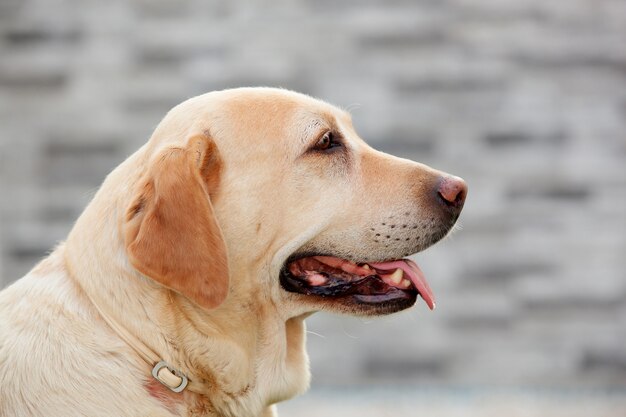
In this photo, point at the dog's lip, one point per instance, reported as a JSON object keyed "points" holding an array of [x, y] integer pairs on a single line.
{"points": [[382, 270]]}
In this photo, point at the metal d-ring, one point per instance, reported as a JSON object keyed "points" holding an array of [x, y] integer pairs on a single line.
{"points": [[162, 364]]}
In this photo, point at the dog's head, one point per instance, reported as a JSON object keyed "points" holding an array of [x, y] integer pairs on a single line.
{"points": [[271, 194]]}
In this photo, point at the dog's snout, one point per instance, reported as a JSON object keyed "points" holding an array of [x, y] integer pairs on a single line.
{"points": [[452, 191]]}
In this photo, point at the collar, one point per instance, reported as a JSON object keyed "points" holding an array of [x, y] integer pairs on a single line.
{"points": [[162, 371]]}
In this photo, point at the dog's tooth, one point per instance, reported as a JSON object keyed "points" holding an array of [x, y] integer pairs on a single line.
{"points": [[405, 283], [316, 280], [397, 276], [366, 266]]}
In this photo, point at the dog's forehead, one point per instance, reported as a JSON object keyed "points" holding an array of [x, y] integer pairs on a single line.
{"points": [[278, 106], [251, 115]]}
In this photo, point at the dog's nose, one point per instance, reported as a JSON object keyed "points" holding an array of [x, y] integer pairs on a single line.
{"points": [[452, 191]]}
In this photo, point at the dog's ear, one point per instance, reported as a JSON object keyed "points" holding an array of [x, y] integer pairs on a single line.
{"points": [[170, 230]]}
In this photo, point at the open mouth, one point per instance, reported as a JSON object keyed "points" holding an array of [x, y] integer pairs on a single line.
{"points": [[398, 281]]}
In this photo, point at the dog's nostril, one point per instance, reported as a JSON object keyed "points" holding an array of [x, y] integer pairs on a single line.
{"points": [[452, 191]]}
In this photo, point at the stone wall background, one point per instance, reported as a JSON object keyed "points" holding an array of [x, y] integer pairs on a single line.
{"points": [[524, 99]]}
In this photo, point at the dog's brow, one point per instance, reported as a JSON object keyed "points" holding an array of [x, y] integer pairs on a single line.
{"points": [[314, 123], [311, 128]]}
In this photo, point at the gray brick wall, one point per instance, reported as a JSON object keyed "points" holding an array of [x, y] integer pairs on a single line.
{"points": [[524, 99]]}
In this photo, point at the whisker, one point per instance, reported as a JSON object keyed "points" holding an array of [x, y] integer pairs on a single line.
{"points": [[353, 106], [316, 334]]}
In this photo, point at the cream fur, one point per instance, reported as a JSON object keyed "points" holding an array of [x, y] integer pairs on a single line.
{"points": [[57, 356]]}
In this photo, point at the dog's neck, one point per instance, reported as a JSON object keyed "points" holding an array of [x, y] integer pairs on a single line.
{"points": [[229, 348]]}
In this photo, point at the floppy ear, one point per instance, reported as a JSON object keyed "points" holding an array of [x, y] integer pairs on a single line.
{"points": [[170, 231]]}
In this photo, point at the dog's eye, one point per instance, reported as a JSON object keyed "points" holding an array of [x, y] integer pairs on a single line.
{"points": [[326, 142]]}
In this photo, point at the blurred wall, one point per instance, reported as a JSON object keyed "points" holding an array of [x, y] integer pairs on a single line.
{"points": [[524, 99]]}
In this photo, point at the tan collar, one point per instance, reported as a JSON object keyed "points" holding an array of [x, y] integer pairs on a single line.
{"points": [[162, 371]]}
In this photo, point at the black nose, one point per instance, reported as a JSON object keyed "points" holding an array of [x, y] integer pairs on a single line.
{"points": [[452, 191]]}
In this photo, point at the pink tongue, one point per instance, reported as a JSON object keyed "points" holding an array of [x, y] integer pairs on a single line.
{"points": [[415, 274]]}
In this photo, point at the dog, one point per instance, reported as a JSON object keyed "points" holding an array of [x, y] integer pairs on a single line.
{"points": [[183, 288]]}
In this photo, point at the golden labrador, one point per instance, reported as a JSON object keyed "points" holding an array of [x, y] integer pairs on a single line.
{"points": [[183, 287]]}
